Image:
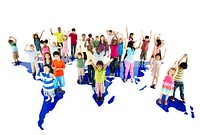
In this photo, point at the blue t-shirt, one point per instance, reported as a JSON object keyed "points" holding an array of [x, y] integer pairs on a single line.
{"points": [[14, 47], [32, 55], [120, 48], [130, 55]]}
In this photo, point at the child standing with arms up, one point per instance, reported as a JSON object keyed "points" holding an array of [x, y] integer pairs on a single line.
{"points": [[48, 83], [14, 49], [80, 66], [156, 68], [65, 49], [178, 81], [168, 84], [100, 77], [58, 66], [129, 60]]}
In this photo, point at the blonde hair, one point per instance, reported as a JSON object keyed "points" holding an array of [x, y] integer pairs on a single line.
{"points": [[172, 68]]}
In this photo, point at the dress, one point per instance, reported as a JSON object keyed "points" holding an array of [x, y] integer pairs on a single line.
{"points": [[65, 48], [168, 86], [156, 68], [44, 50]]}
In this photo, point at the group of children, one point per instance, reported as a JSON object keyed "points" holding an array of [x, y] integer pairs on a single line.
{"points": [[90, 52]]}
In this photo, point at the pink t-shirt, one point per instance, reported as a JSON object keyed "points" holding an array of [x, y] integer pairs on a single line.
{"points": [[114, 51]]}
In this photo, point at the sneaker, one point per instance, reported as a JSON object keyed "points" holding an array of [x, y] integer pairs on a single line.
{"points": [[183, 100], [60, 90], [101, 98], [140, 62], [173, 99], [143, 63], [78, 81], [98, 98], [165, 102], [47, 99], [125, 80], [52, 100]]}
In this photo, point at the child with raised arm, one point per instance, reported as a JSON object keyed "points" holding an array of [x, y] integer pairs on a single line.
{"points": [[178, 81], [65, 49], [45, 48], [58, 66], [80, 66], [13, 41], [33, 57], [100, 77], [145, 46], [129, 60], [48, 83], [168, 84], [54, 47], [36, 39], [156, 68], [120, 48]]}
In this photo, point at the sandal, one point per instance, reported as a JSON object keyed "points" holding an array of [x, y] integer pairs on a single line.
{"points": [[159, 101], [165, 102]]}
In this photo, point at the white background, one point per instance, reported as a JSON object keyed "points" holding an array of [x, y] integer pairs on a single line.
{"points": [[132, 111]]}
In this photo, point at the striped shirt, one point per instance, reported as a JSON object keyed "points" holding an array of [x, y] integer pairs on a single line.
{"points": [[179, 75], [47, 79]]}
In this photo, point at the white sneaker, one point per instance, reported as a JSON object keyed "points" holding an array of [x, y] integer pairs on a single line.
{"points": [[52, 100], [47, 99]]}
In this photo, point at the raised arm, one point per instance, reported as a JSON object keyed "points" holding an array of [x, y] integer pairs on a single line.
{"points": [[51, 31], [108, 63], [127, 32], [93, 65], [150, 35], [11, 37], [164, 54], [41, 34], [142, 34], [25, 49], [139, 44], [184, 56]]}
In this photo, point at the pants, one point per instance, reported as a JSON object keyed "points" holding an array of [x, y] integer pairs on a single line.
{"points": [[129, 67], [120, 59], [91, 74], [181, 88], [113, 65], [34, 66], [73, 49]]}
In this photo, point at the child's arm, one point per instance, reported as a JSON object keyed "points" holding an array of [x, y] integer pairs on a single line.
{"points": [[41, 34], [50, 42], [185, 55], [142, 34], [108, 63], [25, 49], [52, 76], [164, 54], [51, 31], [127, 32], [93, 65], [13, 38], [150, 35], [139, 44]]}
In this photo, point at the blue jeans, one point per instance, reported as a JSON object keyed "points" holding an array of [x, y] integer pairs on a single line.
{"points": [[181, 88]]}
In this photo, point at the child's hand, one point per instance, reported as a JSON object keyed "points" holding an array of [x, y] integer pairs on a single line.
{"points": [[185, 55]]}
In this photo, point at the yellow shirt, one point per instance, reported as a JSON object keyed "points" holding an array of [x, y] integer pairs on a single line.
{"points": [[59, 36]]}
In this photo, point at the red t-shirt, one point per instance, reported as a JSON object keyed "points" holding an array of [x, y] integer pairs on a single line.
{"points": [[145, 45], [73, 38], [58, 64]]}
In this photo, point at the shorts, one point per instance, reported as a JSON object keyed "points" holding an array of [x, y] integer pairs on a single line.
{"points": [[99, 88], [81, 72], [143, 54], [60, 80], [50, 93], [15, 55]]}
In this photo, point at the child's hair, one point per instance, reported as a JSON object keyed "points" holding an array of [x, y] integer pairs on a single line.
{"points": [[110, 31], [90, 48], [90, 35], [158, 54], [46, 65], [73, 29], [31, 45], [99, 63], [79, 53], [44, 41], [10, 41], [183, 65], [146, 37], [56, 53], [97, 36], [83, 35], [172, 69], [159, 42], [35, 35], [130, 44], [49, 56]]}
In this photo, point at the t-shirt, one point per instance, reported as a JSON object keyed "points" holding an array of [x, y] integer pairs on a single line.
{"points": [[102, 46], [95, 43], [114, 51], [120, 48], [59, 36], [100, 75], [109, 38], [80, 63], [90, 56], [179, 75], [145, 45], [82, 45], [58, 64], [98, 57], [130, 55], [47, 79], [32, 55], [14, 47], [73, 38]]}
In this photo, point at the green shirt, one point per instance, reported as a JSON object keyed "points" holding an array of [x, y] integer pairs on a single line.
{"points": [[100, 76], [95, 43], [80, 63]]}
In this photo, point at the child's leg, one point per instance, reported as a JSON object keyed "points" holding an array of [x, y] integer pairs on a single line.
{"points": [[62, 83], [97, 91], [160, 99], [156, 82], [102, 90], [127, 68], [166, 98], [46, 94], [131, 71], [33, 67], [153, 80], [51, 93]]}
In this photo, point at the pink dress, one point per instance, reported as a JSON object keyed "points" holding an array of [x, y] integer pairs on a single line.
{"points": [[168, 86], [65, 48], [44, 50]]}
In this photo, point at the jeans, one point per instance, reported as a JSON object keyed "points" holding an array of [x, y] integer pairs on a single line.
{"points": [[73, 49], [181, 88], [91, 74], [113, 65]]}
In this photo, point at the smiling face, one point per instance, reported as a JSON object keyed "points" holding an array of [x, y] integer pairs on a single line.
{"points": [[46, 69], [99, 67]]}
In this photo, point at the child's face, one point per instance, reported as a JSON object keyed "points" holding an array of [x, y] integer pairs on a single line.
{"points": [[102, 38], [96, 38], [157, 57], [171, 72], [114, 42], [47, 56], [57, 57], [54, 43], [99, 67], [35, 36], [46, 69], [31, 48], [79, 56], [120, 40]]}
